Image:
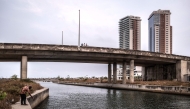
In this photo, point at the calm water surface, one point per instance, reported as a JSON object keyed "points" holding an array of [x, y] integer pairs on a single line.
{"points": [[79, 97]]}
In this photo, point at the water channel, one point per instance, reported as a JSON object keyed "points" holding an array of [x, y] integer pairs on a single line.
{"points": [[79, 97]]}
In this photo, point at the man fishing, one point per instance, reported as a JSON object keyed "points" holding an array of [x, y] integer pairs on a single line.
{"points": [[24, 91]]}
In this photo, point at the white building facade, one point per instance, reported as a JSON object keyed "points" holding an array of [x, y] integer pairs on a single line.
{"points": [[137, 73]]}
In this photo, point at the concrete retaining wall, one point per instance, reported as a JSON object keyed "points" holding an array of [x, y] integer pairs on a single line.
{"points": [[38, 96], [149, 88], [157, 88]]}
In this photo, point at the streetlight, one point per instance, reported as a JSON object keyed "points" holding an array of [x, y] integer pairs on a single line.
{"points": [[62, 37], [79, 31]]}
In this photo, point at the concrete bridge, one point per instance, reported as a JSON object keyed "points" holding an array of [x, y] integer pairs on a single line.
{"points": [[156, 66]]}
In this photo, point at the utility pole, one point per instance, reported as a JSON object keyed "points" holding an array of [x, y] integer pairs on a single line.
{"points": [[62, 37], [79, 32]]}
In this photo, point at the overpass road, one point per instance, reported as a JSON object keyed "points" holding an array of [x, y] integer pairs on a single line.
{"points": [[65, 53], [174, 64]]}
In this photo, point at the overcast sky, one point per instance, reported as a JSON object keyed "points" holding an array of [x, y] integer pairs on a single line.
{"points": [[42, 22]]}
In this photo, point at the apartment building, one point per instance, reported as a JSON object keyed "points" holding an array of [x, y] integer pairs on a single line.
{"points": [[130, 33], [160, 31]]}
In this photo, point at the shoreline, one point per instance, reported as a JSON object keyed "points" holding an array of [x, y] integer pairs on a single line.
{"points": [[175, 90]]}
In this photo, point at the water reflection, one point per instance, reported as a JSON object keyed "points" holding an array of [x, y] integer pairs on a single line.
{"points": [[79, 97]]}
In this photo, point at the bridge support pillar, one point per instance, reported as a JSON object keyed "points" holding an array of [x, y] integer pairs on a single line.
{"points": [[124, 72], [23, 72], [182, 70], [143, 73], [114, 72], [109, 73], [131, 71]]}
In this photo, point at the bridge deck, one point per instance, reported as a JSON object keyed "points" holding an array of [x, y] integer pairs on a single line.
{"points": [[65, 53]]}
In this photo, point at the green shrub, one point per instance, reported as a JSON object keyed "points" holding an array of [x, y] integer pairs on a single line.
{"points": [[2, 95], [14, 77]]}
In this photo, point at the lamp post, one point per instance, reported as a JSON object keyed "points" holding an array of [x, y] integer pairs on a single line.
{"points": [[79, 32], [62, 37]]}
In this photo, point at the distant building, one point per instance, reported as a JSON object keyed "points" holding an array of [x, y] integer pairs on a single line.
{"points": [[129, 38], [120, 74], [130, 33], [160, 32], [137, 73]]}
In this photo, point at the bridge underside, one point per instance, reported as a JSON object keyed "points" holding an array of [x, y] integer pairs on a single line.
{"points": [[160, 72], [81, 57], [156, 66]]}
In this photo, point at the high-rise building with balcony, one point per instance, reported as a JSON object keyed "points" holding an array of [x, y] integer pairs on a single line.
{"points": [[160, 32], [130, 33], [129, 38]]}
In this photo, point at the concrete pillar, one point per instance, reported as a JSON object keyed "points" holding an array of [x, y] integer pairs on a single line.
{"points": [[114, 72], [188, 70], [131, 71], [181, 70], [23, 72], [143, 73], [128, 71], [109, 73], [124, 72], [146, 76]]}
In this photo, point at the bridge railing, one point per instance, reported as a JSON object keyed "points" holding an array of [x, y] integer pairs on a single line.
{"points": [[19, 46]]}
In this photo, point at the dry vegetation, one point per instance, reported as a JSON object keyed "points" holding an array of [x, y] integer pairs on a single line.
{"points": [[137, 81], [164, 83], [81, 80], [12, 89]]}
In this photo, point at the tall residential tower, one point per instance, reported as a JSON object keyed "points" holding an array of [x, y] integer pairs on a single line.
{"points": [[130, 33], [129, 38], [160, 32]]}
